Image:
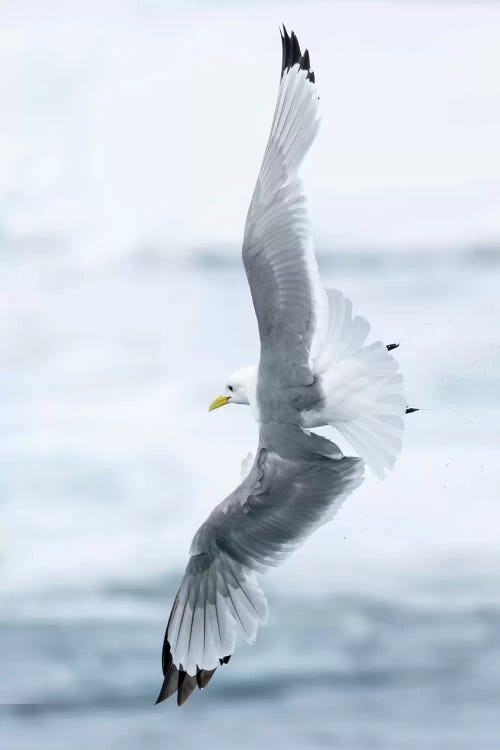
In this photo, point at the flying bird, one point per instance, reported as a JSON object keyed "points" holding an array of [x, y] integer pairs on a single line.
{"points": [[361, 393], [314, 368]]}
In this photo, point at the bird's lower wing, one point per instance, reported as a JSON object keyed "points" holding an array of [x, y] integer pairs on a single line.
{"points": [[297, 482]]}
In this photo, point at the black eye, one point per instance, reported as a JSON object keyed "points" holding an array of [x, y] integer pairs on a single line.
{"points": [[230, 388]]}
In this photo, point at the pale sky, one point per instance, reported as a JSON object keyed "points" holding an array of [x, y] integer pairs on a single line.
{"points": [[146, 122]]}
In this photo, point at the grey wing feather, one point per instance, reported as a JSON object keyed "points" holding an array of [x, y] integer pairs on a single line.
{"points": [[278, 252]]}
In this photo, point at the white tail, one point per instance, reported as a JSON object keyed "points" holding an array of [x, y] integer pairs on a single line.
{"points": [[364, 393]]}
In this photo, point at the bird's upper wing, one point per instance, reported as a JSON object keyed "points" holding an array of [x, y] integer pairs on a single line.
{"points": [[297, 482], [278, 252]]}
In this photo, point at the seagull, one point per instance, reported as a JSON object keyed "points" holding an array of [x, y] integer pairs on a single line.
{"points": [[361, 392], [313, 368]]}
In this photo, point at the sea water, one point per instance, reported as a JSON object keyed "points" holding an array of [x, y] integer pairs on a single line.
{"points": [[384, 627]]}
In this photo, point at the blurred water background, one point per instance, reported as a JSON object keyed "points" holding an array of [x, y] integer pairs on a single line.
{"points": [[131, 137]]}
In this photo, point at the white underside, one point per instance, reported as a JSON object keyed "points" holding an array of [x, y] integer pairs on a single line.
{"points": [[363, 393]]}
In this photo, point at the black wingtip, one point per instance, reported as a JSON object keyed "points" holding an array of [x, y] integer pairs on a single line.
{"points": [[296, 54], [203, 677], [180, 682], [187, 684], [166, 656], [305, 62], [291, 54], [411, 410], [170, 684]]}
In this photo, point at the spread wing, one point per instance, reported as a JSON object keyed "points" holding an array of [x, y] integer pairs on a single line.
{"points": [[297, 482], [278, 253]]}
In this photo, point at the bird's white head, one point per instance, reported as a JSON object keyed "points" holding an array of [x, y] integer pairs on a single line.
{"points": [[239, 389]]}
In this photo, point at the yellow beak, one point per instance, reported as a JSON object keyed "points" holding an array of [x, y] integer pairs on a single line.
{"points": [[219, 401]]}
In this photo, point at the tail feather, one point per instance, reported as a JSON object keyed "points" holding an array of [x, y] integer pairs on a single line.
{"points": [[364, 392]]}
